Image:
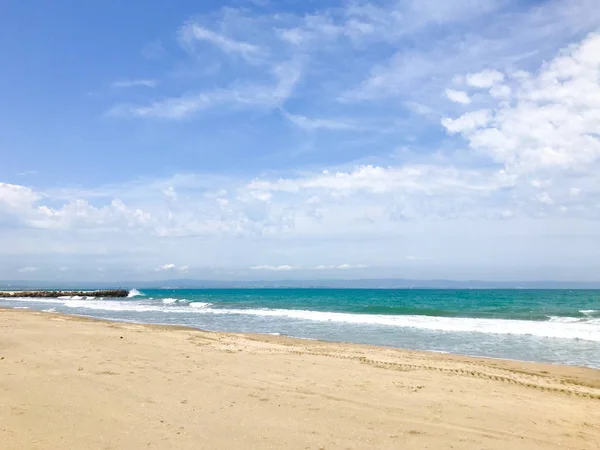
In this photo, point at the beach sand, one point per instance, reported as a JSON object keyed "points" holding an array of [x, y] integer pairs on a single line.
{"points": [[74, 383]]}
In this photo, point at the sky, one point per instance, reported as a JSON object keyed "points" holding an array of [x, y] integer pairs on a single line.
{"points": [[262, 139]]}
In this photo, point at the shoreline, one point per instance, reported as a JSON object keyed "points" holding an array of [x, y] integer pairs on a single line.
{"points": [[284, 336], [285, 339], [79, 382]]}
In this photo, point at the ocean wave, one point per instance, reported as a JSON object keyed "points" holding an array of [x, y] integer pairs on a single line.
{"points": [[134, 293], [200, 305], [590, 312], [559, 328], [584, 328], [124, 306]]}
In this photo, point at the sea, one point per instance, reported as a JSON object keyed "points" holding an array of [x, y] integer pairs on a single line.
{"points": [[550, 326]]}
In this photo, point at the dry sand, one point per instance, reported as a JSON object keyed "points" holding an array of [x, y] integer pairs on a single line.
{"points": [[72, 383]]}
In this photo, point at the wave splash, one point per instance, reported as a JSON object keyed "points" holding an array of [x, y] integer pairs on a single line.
{"points": [[134, 293]]}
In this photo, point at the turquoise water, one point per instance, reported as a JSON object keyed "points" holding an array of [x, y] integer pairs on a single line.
{"points": [[557, 326]]}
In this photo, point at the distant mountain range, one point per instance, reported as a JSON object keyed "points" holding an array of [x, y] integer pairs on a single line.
{"points": [[383, 283]]}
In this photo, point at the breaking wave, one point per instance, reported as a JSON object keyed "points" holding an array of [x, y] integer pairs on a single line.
{"points": [[134, 293]]}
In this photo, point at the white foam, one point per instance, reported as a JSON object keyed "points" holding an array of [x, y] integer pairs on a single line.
{"points": [[135, 293], [21, 307], [200, 305], [560, 319], [169, 301], [588, 330], [590, 312], [113, 306], [36, 300], [556, 327]]}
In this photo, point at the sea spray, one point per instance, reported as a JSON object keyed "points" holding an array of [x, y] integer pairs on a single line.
{"points": [[134, 293]]}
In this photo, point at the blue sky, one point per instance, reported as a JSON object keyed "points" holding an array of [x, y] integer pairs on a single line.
{"points": [[262, 140]]}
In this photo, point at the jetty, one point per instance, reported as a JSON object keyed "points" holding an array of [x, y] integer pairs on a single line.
{"points": [[56, 294]]}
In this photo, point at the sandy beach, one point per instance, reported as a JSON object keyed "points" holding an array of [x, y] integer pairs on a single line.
{"points": [[75, 383]]}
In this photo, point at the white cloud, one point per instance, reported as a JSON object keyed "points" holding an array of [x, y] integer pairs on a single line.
{"points": [[24, 205], [517, 169], [284, 267], [458, 96], [27, 269], [170, 193], [484, 79], [315, 124], [545, 198], [194, 32], [500, 91], [417, 258], [550, 120], [363, 21], [539, 183], [16, 197], [377, 179], [468, 122], [340, 267], [240, 95], [171, 268], [500, 41], [319, 267], [134, 83]]}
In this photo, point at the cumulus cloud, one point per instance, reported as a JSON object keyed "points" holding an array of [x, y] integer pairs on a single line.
{"points": [[377, 179], [468, 122], [550, 119], [24, 205], [484, 79], [171, 268], [484, 45], [523, 148], [16, 197], [27, 269], [458, 96]]}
